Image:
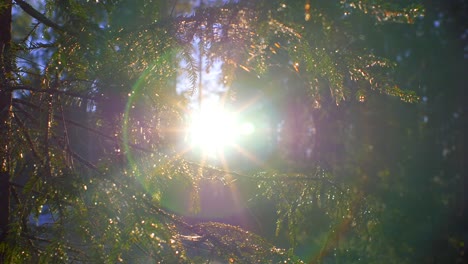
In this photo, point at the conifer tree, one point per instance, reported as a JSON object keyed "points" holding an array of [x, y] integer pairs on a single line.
{"points": [[91, 126]]}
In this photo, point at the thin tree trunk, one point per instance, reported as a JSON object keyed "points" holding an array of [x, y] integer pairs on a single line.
{"points": [[5, 110]]}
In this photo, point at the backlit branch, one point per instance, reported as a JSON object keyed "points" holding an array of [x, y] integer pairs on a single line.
{"points": [[37, 15], [52, 91]]}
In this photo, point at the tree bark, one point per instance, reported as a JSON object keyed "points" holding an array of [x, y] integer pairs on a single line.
{"points": [[5, 110]]}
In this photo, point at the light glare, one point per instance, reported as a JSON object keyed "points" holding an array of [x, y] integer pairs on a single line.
{"points": [[247, 128], [214, 130]]}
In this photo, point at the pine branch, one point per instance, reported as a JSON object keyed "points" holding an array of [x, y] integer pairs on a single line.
{"points": [[191, 68], [39, 45], [285, 177], [77, 124], [50, 242], [52, 91]]}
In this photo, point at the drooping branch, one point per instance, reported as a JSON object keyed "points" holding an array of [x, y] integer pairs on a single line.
{"points": [[52, 91], [76, 156], [27, 137], [56, 139]]}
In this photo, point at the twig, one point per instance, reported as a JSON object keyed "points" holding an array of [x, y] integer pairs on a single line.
{"points": [[30, 32], [26, 135], [173, 7], [77, 156]]}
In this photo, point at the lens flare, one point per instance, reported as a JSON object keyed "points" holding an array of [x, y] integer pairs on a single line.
{"points": [[213, 129]]}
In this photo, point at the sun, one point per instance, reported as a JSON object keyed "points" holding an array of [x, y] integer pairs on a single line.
{"points": [[214, 129]]}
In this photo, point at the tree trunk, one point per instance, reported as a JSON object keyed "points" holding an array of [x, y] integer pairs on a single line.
{"points": [[5, 110]]}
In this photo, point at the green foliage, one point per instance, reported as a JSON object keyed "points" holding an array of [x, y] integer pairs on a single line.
{"points": [[96, 131]]}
